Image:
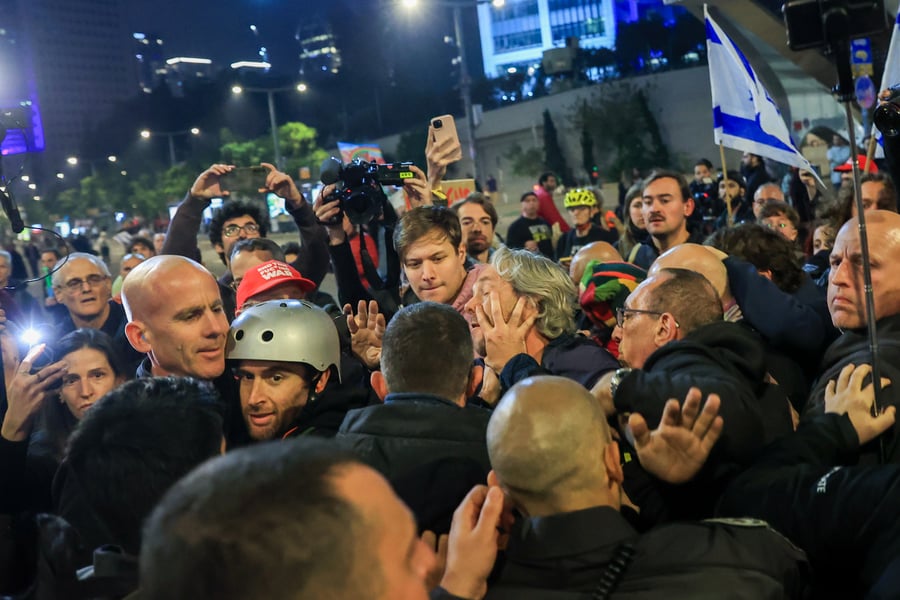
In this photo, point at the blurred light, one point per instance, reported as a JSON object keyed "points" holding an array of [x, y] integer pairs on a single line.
{"points": [[301, 87], [511, 70], [60, 176], [32, 186], [189, 60], [253, 28], [120, 216], [138, 36], [31, 336], [26, 178], [250, 64], [145, 133], [236, 89], [72, 160], [195, 131], [37, 198], [124, 172], [498, 3], [112, 158], [409, 3]]}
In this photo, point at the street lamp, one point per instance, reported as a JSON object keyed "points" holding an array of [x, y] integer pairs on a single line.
{"points": [[270, 95], [146, 134], [75, 160], [465, 83]]}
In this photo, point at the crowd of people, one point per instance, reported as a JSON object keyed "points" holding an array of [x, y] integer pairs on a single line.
{"points": [[672, 398]]}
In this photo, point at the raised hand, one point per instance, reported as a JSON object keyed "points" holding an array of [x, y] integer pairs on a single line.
{"points": [[677, 449], [847, 395], [282, 186], [504, 338], [208, 185], [473, 544], [417, 191], [25, 394], [366, 332]]}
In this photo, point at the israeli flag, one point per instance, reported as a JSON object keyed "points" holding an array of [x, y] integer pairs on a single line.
{"points": [[744, 116]]}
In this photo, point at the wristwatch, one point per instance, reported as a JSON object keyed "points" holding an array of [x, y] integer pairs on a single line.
{"points": [[617, 378]]}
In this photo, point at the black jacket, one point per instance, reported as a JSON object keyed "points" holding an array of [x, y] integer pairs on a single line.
{"points": [[565, 556], [843, 516], [723, 358], [114, 327], [410, 430], [575, 357], [853, 347]]}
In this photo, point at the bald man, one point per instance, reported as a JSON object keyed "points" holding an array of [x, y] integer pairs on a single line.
{"points": [[599, 251], [847, 305], [552, 453], [175, 317]]}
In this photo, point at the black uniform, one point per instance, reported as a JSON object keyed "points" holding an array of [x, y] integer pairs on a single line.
{"points": [[567, 555], [845, 517]]}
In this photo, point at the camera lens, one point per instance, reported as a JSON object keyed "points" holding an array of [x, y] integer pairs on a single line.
{"points": [[437, 123], [887, 119]]}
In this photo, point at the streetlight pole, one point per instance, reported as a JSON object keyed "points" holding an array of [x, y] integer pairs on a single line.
{"points": [[170, 135], [465, 86], [465, 82], [274, 125], [273, 122]]}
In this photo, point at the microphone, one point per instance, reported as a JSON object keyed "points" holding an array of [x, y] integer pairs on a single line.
{"points": [[12, 211]]}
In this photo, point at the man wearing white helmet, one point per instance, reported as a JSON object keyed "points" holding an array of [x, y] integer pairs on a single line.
{"points": [[284, 354]]}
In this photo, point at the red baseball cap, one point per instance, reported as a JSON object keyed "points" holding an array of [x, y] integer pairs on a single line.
{"points": [[848, 166], [266, 276]]}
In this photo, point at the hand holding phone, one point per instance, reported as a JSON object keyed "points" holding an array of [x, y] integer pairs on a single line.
{"points": [[247, 180], [444, 138]]}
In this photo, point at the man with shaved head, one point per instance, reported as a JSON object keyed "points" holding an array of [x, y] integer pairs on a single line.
{"points": [[599, 251], [552, 453], [176, 318], [847, 305]]}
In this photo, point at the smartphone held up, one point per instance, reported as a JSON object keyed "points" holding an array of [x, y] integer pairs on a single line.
{"points": [[244, 180], [442, 131]]}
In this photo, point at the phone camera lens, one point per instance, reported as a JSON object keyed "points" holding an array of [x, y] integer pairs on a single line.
{"points": [[438, 123]]}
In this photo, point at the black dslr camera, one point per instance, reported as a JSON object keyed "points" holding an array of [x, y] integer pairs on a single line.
{"points": [[887, 115], [358, 186]]}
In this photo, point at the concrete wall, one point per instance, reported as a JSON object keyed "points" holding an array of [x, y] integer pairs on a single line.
{"points": [[680, 100]]}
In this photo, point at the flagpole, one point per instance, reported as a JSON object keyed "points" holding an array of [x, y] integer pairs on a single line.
{"points": [[729, 218], [870, 153], [838, 45]]}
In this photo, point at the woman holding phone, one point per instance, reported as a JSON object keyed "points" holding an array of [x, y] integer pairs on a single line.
{"points": [[44, 406]]}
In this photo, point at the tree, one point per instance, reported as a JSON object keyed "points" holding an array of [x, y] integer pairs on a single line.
{"points": [[621, 122], [587, 157], [553, 156], [526, 162]]}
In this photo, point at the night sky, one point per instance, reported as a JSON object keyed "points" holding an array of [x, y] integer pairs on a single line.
{"points": [[220, 29]]}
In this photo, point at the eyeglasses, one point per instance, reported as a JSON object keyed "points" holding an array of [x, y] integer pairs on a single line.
{"points": [[232, 230], [73, 285], [620, 314]]}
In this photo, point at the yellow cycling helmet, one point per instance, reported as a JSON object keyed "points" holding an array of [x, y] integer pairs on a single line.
{"points": [[580, 197]]}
